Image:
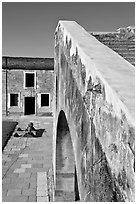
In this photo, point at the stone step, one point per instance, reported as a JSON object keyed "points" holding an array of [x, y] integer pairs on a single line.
{"points": [[128, 55], [113, 46], [64, 196], [123, 44], [113, 42], [65, 183], [124, 50], [64, 175], [132, 49], [131, 62], [64, 187], [130, 58]]}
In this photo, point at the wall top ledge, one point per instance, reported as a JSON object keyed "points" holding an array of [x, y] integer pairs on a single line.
{"points": [[118, 73]]}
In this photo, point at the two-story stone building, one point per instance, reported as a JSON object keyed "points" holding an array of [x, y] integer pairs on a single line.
{"points": [[27, 85]]}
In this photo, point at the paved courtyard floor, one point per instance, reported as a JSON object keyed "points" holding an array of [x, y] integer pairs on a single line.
{"points": [[26, 161]]}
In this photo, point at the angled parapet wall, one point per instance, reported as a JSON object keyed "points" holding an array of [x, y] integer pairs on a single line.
{"points": [[95, 88], [122, 42]]}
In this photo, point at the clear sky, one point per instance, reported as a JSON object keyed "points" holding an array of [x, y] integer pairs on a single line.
{"points": [[28, 28]]}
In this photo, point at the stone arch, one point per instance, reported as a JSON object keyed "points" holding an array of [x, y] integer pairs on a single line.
{"points": [[66, 175]]}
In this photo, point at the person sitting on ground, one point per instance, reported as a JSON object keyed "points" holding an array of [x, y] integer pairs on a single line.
{"points": [[30, 128]]}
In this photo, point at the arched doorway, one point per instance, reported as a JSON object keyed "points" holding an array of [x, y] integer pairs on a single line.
{"points": [[66, 176]]}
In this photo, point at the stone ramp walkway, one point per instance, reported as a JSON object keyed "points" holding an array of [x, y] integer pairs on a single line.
{"points": [[25, 163]]}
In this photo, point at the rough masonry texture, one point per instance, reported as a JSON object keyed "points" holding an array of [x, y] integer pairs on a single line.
{"points": [[14, 70], [95, 107], [122, 42]]}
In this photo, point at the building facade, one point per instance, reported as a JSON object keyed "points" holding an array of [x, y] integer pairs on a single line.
{"points": [[27, 86]]}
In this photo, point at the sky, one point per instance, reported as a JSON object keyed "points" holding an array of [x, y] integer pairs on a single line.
{"points": [[28, 27]]}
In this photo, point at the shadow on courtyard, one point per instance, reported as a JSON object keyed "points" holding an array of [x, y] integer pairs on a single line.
{"points": [[7, 130], [36, 133]]}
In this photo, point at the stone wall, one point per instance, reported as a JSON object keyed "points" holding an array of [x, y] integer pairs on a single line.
{"points": [[95, 89], [26, 63], [3, 91], [15, 84], [122, 42]]}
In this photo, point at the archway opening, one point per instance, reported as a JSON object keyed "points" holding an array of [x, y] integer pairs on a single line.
{"points": [[66, 176]]}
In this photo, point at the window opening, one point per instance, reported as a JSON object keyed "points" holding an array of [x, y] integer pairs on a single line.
{"points": [[29, 80], [44, 100], [13, 99]]}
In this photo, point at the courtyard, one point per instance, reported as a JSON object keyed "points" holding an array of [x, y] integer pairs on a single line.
{"points": [[26, 161]]}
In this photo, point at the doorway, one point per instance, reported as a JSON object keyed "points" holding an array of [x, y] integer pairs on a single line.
{"points": [[29, 105]]}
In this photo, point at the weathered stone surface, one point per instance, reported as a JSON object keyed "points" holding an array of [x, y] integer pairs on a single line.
{"points": [[122, 41], [14, 82], [95, 92]]}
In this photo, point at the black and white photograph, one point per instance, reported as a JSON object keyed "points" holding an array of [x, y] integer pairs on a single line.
{"points": [[68, 101]]}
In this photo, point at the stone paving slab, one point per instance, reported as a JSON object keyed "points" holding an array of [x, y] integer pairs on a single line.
{"points": [[25, 162]]}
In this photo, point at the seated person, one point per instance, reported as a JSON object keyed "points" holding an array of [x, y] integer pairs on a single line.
{"points": [[30, 128]]}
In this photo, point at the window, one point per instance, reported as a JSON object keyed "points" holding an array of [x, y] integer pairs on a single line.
{"points": [[13, 99], [45, 100], [29, 79]]}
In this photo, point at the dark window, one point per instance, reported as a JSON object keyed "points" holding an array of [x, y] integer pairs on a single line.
{"points": [[29, 79], [13, 99], [44, 99]]}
